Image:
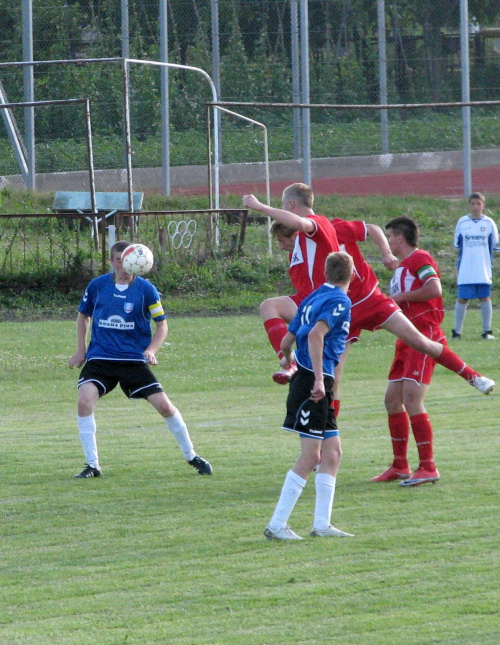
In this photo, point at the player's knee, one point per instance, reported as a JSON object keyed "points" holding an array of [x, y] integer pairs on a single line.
{"points": [[426, 346], [393, 404], [266, 308], [86, 405], [331, 452], [310, 460], [166, 408], [331, 459]]}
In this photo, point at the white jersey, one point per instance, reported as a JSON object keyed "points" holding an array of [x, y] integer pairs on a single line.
{"points": [[475, 239]]}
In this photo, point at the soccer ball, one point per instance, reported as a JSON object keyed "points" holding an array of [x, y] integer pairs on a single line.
{"points": [[137, 259]]}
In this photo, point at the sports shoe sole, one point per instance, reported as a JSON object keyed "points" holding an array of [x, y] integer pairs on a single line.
{"points": [[418, 482], [90, 475], [331, 532], [287, 535], [282, 378]]}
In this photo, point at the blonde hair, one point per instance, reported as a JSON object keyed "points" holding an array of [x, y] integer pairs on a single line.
{"points": [[338, 267], [301, 193]]}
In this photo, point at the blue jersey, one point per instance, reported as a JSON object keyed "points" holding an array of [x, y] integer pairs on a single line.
{"points": [[121, 320], [332, 305]]}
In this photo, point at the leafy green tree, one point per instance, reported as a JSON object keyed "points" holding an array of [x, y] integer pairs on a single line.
{"points": [[236, 82]]}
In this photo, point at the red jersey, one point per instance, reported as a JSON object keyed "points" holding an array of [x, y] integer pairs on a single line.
{"points": [[363, 281], [307, 260], [413, 272]]}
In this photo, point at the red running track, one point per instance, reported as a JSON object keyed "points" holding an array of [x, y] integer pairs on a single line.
{"points": [[442, 183]]}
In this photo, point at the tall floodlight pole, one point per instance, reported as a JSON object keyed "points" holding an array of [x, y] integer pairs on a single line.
{"points": [[306, 112], [466, 129], [214, 6], [165, 100], [29, 93], [125, 55], [295, 59], [125, 29], [128, 137], [382, 58]]}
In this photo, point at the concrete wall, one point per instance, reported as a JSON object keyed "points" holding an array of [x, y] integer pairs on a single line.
{"points": [[149, 180]]}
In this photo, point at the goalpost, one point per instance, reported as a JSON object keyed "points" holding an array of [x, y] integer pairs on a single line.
{"points": [[85, 102]]}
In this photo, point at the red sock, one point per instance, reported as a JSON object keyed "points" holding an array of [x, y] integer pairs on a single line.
{"points": [[276, 329], [336, 407], [453, 362], [422, 431], [399, 428]]}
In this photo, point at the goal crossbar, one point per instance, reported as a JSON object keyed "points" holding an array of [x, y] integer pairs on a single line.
{"points": [[354, 106]]}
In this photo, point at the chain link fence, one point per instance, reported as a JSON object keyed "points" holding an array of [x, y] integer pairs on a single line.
{"points": [[31, 243], [60, 253], [255, 43]]}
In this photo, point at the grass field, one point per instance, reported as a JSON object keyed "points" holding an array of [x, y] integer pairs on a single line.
{"points": [[153, 553]]}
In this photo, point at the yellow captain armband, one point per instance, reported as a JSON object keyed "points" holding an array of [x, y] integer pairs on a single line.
{"points": [[156, 310]]}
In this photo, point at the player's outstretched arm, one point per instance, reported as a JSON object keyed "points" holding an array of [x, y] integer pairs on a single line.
{"points": [[289, 219], [376, 234]]}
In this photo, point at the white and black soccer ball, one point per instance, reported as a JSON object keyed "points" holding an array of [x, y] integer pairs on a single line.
{"points": [[137, 259]]}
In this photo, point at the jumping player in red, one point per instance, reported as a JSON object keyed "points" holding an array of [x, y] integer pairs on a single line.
{"points": [[371, 309], [309, 238]]}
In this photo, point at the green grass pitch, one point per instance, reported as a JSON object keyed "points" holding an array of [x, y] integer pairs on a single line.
{"points": [[152, 553]]}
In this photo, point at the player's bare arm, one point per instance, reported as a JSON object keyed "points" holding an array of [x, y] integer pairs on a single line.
{"points": [[287, 349], [82, 330], [157, 340], [431, 289], [293, 221], [377, 235], [316, 342]]}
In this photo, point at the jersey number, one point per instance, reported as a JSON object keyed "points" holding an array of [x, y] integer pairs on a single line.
{"points": [[338, 311]]}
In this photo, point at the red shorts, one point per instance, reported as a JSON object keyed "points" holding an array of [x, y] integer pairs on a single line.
{"points": [[371, 314], [297, 298], [412, 365]]}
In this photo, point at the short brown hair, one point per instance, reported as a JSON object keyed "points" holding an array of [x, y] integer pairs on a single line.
{"points": [[405, 226], [338, 267], [301, 193], [118, 247], [277, 228], [479, 196]]}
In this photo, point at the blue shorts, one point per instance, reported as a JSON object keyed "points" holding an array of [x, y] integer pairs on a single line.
{"points": [[473, 291], [328, 434]]}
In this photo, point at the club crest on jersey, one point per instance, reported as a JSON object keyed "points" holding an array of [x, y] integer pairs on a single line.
{"points": [[128, 307]]}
